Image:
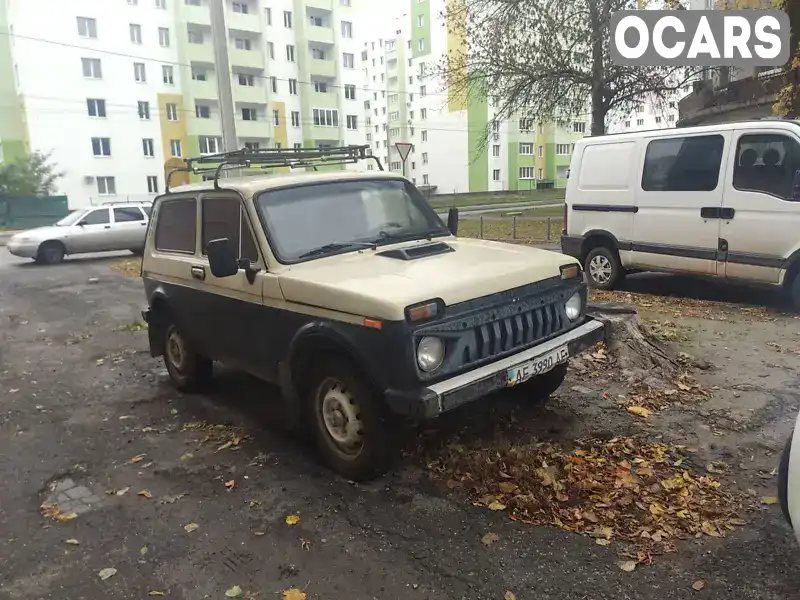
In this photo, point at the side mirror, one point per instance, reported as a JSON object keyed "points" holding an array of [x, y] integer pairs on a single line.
{"points": [[222, 258], [452, 220], [796, 186]]}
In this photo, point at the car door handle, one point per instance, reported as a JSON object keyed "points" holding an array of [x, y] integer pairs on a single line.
{"points": [[107, 227], [727, 213], [710, 212], [199, 273]]}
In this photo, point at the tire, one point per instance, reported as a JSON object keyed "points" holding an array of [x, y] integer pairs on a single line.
{"points": [[540, 388], [794, 292], [50, 253], [349, 422], [189, 371], [603, 268], [783, 481], [136, 251]]}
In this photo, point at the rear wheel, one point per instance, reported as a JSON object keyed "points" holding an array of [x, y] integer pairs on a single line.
{"points": [[540, 388], [188, 370], [603, 267], [50, 253], [794, 291]]}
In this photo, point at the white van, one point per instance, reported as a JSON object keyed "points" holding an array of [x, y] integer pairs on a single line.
{"points": [[721, 200]]}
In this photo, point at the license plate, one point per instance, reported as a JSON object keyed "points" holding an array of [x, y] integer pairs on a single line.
{"points": [[537, 366]]}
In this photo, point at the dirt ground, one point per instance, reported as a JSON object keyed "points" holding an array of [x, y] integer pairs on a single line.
{"points": [[189, 495]]}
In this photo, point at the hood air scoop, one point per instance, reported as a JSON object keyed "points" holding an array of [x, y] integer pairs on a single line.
{"points": [[415, 252]]}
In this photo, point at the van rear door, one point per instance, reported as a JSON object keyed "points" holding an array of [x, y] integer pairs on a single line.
{"points": [[679, 198]]}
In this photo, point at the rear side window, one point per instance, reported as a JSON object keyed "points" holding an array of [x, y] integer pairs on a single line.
{"points": [[176, 229], [685, 164], [127, 214], [225, 218]]}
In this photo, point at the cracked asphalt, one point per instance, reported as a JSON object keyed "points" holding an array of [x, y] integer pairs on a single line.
{"points": [[80, 397]]}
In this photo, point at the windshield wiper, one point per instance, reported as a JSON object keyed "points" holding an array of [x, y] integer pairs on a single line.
{"points": [[336, 246], [388, 238]]}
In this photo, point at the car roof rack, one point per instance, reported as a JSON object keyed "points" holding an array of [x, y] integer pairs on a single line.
{"points": [[270, 158]]}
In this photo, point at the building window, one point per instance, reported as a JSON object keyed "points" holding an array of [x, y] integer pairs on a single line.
{"points": [[96, 107], [683, 164], [133, 2], [293, 87], [289, 52], [496, 150], [347, 29], [295, 118], [162, 4], [287, 19], [425, 179], [252, 145], [320, 87], [243, 44], [136, 33], [423, 133], [168, 74], [317, 54], [326, 117], [298, 146], [271, 50], [139, 73], [273, 84], [92, 68], [658, 120], [348, 60], [106, 186], [199, 74], [421, 45], [144, 110], [202, 111], [193, 2], [241, 8], [147, 148], [210, 144], [344, 2], [526, 172], [395, 166], [640, 108], [563, 149], [163, 37], [350, 92], [424, 158], [101, 146], [639, 122], [394, 116], [420, 20], [249, 114], [152, 185], [352, 122], [579, 127], [526, 148], [540, 176], [172, 112], [496, 175], [423, 91], [276, 117], [175, 148], [195, 37], [541, 129], [423, 113], [245, 79], [671, 118], [627, 123], [268, 13], [87, 27]]}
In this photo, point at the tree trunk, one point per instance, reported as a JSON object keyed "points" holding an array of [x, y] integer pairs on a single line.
{"points": [[599, 16], [599, 111]]}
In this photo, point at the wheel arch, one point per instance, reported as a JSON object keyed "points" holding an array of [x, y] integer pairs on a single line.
{"points": [[598, 237]]}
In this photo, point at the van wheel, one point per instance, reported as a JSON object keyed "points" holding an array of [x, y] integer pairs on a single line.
{"points": [[349, 423], [50, 253], [189, 371], [603, 268], [540, 388], [794, 292]]}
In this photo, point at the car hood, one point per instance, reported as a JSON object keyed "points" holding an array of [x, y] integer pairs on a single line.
{"points": [[40, 233], [364, 283]]}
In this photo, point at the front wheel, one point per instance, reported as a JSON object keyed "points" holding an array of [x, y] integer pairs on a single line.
{"points": [[50, 253], [540, 388], [603, 267], [188, 370], [349, 422]]}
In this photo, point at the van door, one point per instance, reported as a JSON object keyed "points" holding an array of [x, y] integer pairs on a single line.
{"points": [[678, 200], [760, 227]]}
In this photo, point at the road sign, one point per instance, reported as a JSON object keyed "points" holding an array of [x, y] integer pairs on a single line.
{"points": [[404, 149]]}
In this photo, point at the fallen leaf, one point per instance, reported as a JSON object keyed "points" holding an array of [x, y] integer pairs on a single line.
{"points": [[509, 596], [292, 520], [293, 594], [143, 551], [230, 484], [171, 499], [602, 541], [123, 491], [489, 539], [627, 565], [187, 456], [698, 585], [99, 361], [305, 545], [259, 533], [507, 487], [191, 527], [234, 592], [145, 494], [639, 411], [769, 500], [106, 573], [72, 542], [65, 517], [138, 458], [225, 446], [155, 593], [496, 505]]}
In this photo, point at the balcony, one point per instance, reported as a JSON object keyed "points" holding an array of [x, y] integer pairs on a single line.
{"points": [[253, 129], [748, 98], [322, 68], [250, 94], [241, 22], [196, 14], [319, 133], [320, 35], [211, 126], [204, 90], [250, 59], [200, 53], [320, 4]]}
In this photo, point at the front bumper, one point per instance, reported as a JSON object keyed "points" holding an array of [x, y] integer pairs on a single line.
{"points": [[571, 245], [446, 395], [23, 249]]}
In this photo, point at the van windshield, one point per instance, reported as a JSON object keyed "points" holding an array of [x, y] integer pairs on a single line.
{"points": [[311, 221]]}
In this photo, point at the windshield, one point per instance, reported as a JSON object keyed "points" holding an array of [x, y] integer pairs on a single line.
{"points": [[316, 220], [70, 219]]}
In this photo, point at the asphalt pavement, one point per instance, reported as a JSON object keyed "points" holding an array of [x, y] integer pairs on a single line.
{"points": [[86, 412]]}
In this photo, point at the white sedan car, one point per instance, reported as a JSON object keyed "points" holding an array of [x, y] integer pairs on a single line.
{"points": [[101, 229], [789, 480]]}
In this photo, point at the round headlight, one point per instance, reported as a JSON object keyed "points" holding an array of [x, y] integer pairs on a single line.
{"points": [[574, 306], [430, 353]]}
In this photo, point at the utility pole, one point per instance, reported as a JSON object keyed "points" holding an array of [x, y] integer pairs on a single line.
{"points": [[219, 35]]}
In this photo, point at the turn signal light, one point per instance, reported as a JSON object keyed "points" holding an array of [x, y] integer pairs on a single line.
{"points": [[570, 271], [423, 312]]}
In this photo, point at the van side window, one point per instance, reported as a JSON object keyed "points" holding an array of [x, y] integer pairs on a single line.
{"points": [[685, 164], [766, 163], [176, 230], [225, 218]]}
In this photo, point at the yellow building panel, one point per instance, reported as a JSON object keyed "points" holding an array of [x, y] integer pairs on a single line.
{"points": [[457, 67], [172, 129]]}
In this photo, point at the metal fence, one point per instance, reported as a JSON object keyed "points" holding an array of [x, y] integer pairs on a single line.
{"points": [[530, 230], [18, 212]]}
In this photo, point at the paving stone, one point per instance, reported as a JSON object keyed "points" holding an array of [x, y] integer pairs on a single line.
{"points": [[78, 492], [64, 485], [62, 499], [91, 499]]}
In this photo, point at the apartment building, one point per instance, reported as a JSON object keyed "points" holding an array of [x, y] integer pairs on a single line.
{"points": [[115, 88]]}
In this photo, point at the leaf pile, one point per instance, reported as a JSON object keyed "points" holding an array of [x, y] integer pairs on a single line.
{"points": [[224, 436], [621, 489], [129, 267]]}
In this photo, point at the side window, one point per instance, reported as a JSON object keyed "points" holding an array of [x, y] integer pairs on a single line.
{"points": [[176, 227], [148, 210], [225, 218], [97, 217], [766, 163], [127, 214], [686, 164]]}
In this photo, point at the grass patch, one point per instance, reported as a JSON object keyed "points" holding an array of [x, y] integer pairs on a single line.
{"points": [[447, 200], [129, 267], [527, 232], [545, 211]]}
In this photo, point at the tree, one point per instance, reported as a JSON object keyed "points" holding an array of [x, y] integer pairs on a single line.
{"points": [[29, 175], [550, 59]]}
